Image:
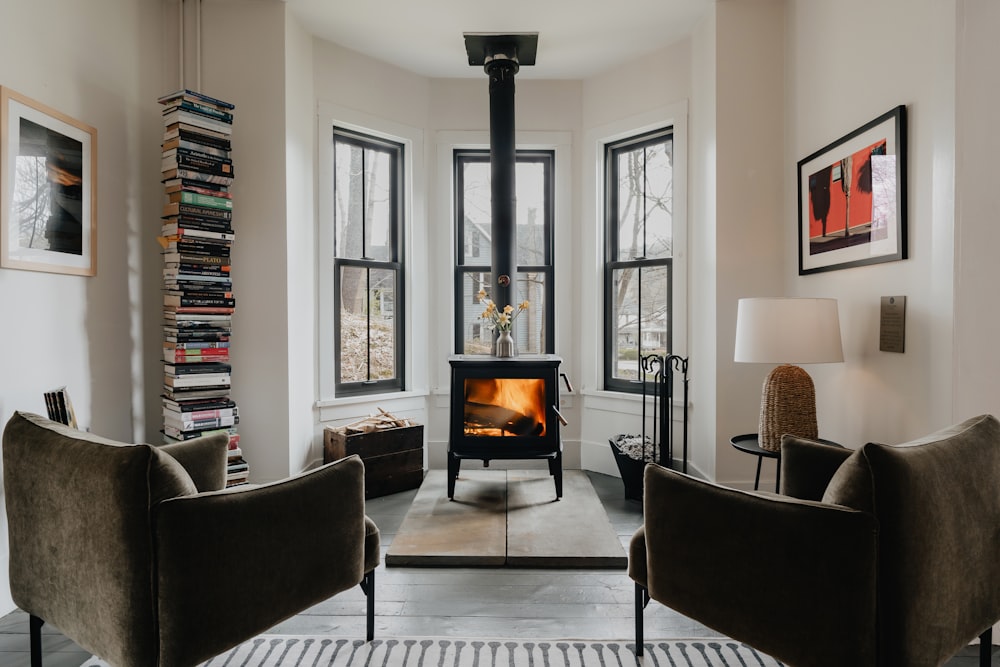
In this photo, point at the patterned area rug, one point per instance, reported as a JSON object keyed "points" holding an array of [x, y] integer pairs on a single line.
{"points": [[317, 651]]}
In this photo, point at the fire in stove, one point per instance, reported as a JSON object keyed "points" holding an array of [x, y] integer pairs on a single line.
{"points": [[498, 407]]}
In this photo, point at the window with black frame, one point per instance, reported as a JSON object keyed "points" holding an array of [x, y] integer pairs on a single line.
{"points": [[535, 214], [368, 271], [639, 252]]}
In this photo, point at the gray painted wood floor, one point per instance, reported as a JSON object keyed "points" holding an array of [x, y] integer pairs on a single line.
{"points": [[464, 602]]}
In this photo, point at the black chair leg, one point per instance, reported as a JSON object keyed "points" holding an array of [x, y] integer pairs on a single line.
{"points": [[368, 586], [35, 640], [640, 603], [985, 647]]}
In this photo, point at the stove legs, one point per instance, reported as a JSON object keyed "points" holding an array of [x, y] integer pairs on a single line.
{"points": [[556, 470], [454, 463]]}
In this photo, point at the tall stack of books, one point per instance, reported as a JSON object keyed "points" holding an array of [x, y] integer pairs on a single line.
{"points": [[198, 301]]}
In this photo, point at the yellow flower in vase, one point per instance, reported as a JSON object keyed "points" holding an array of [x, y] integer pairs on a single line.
{"points": [[496, 319]]}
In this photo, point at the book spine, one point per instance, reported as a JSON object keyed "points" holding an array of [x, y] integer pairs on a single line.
{"points": [[166, 99], [196, 222], [207, 310], [176, 232], [209, 201], [194, 258], [194, 358], [203, 139], [196, 381], [198, 120], [206, 110], [196, 345], [195, 175], [207, 164], [197, 211], [201, 424], [197, 415]]}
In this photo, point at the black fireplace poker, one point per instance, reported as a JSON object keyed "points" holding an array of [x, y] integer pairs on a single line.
{"points": [[501, 56]]}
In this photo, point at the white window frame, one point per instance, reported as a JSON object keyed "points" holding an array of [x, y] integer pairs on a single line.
{"points": [[594, 250], [414, 255]]}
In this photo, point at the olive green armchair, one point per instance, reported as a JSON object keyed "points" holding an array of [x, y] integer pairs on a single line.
{"points": [[884, 556], [141, 556]]}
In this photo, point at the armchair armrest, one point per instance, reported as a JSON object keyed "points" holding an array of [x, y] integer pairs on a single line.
{"points": [[244, 559], [203, 458], [792, 578]]}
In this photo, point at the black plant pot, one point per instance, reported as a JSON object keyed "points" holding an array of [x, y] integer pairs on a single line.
{"points": [[631, 471]]}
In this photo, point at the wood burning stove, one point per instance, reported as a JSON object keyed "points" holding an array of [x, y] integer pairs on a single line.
{"points": [[505, 409]]}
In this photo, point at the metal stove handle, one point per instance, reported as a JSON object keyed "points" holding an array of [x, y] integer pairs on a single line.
{"points": [[562, 420]]}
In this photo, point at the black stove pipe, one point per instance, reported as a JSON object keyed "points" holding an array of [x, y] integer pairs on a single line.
{"points": [[501, 68]]}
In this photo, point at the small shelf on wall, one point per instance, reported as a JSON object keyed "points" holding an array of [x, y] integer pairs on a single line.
{"points": [[196, 239]]}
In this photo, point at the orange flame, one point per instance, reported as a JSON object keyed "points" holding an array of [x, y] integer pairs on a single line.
{"points": [[505, 406]]}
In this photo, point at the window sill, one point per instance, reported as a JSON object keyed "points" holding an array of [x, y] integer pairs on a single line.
{"points": [[334, 409]]}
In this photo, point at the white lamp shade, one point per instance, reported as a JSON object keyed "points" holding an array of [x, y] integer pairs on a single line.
{"points": [[788, 331]]}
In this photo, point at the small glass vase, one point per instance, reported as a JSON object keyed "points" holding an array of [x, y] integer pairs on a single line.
{"points": [[505, 345]]}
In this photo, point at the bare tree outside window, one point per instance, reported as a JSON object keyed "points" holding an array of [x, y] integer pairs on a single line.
{"points": [[367, 223], [639, 217]]}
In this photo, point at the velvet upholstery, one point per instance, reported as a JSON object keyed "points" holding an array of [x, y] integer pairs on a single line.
{"points": [[807, 466], [908, 582], [116, 545]]}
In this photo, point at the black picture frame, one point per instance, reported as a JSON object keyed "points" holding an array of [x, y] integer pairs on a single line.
{"points": [[852, 198]]}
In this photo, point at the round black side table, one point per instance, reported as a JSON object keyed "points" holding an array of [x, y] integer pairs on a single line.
{"points": [[750, 443]]}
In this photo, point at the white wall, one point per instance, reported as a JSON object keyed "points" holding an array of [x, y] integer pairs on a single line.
{"points": [[977, 234], [243, 62], [834, 86], [749, 177], [86, 333], [397, 107], [650, 92], [300, 152]]}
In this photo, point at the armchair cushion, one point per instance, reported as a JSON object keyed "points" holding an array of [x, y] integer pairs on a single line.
{"points": [[167, 478], [851, 485], [203, 458], [807, 466]]}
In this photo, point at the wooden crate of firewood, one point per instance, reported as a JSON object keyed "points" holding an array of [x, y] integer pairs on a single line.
{"points": [[391, 448]]}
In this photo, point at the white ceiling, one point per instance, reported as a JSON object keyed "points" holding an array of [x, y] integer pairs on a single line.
{"points": [[576, 38]]}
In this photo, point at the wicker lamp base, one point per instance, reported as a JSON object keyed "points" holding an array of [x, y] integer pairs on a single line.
{"points": [[787, 405]]}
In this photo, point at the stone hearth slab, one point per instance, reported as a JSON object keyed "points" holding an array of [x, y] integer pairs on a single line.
{"points": [[470, 530], [545, 532], [507, 517]]}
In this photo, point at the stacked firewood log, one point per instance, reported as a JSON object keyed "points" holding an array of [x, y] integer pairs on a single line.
{"points": [[375, 422]]}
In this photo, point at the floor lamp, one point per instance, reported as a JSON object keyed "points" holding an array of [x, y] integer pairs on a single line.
{"points": [[787, 331]]}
